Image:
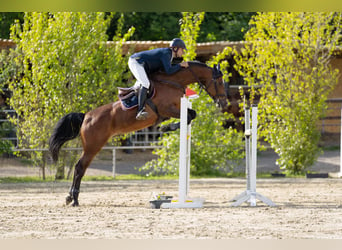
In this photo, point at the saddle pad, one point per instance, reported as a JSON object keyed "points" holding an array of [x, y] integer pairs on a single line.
{"points": [[130, 102]]}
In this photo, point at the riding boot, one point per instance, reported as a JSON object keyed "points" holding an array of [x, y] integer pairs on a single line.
{"points": [[142, 114]]}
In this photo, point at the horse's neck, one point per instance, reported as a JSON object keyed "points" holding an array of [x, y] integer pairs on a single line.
{"points": [[183, 77]]}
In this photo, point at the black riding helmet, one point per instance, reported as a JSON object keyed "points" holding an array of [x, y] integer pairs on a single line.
{"points": [[177, 42]]}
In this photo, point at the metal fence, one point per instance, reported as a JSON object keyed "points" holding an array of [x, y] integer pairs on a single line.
{"points": [[145, 137], [8, 130], [331, 123], [112, 148]]}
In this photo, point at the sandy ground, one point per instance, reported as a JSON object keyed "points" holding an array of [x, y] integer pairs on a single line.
{"points": [[305, 208]]}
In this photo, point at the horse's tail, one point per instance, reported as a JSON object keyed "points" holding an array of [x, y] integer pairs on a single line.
{"points": [[67, 128]]}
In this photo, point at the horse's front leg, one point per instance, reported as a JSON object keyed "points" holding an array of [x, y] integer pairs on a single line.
{"points": [[175, 126]]}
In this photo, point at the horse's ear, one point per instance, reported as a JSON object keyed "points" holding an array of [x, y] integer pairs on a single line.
{"points": [[215, 67], [217, 71]]}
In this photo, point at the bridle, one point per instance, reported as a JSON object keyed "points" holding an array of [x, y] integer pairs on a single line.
{"points": [[214, 80]]}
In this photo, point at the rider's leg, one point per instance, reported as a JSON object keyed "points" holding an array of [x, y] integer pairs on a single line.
{"points": [[142, 114], [140, 74]]}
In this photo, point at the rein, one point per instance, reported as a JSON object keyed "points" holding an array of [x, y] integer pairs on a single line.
{"points": [[202, 86], [174, 84]]}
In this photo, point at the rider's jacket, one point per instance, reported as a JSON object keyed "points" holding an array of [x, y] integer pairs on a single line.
{"points": [[157, 60]]}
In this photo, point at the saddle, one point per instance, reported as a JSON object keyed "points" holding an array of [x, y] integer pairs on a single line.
{"points": [[125, 93], [129, 96]]}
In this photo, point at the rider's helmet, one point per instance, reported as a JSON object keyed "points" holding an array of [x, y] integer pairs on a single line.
{"points": [[178, 43]]}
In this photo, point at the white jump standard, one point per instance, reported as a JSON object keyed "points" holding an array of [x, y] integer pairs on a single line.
{"points": [[250, 195], [184, 163]]}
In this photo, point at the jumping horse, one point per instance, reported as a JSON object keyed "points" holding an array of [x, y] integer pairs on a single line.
{"points": [[97, 126]]}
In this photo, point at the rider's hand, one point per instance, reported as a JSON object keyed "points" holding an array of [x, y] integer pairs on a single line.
{"points": [[184, 64]]}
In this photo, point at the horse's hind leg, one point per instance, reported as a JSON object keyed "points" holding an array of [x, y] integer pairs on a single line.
{"points": [[92, 144], [79, 172]]}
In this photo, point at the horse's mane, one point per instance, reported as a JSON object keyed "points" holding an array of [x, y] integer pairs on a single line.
{"points": [[198, 63], [191, 63]]}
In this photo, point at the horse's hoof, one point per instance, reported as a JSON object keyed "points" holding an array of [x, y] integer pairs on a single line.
{"points": [[174, 126], [68, 200], [75, 204], [164, 128]]}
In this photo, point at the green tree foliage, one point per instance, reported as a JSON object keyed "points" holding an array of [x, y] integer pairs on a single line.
{"points": [[224, 26], [150, 26], [190, 27], [8, 73], [213, 147], [153, 26], [5, 145], [288, 54], [216, 26], [6, 20], [67, 67]]}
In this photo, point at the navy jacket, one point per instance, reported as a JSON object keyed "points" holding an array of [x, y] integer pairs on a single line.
{"points": [[157, 59]]}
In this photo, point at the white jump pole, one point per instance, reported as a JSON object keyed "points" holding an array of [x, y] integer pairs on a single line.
{"points": [[184, 163], [251, 136]]}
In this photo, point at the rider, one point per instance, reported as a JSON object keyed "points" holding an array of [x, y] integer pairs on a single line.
{"points": [[143, 63]]}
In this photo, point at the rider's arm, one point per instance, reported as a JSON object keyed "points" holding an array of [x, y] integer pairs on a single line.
{"points": [[166, 61]]}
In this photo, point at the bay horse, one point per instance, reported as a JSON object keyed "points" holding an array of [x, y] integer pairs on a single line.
{"points": [[97, 126]]}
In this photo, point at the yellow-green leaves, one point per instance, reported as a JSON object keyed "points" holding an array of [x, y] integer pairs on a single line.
{"points": [[213, 147], [67, 67], [190, 27], [288, 54]]}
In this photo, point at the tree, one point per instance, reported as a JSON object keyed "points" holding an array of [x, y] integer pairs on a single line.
{"points": [[215, 26], [149, 26], [8, 72], [224, 26], [6, 20], [67, 67], [190, 27], [288, 55], [212, 146]]}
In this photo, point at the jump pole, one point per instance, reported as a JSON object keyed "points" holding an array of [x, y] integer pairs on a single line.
{"points": [[184, 160], [250, 195]]}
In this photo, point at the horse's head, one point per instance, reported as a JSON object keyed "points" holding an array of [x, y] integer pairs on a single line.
{"points": [[215, 87]]}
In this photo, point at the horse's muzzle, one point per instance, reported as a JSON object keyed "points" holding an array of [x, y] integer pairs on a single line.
{"points": [[222, 103]]}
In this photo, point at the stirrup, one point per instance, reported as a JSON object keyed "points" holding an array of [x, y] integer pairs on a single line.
{"points": [[142, 115]]}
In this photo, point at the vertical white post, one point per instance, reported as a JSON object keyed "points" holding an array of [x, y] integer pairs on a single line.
{"points": [[183, 150], [250, 195], [247, 146], [184, 163], [188, 143], [253, 168]]}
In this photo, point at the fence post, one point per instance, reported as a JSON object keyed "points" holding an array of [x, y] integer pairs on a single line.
{"points": [[114, 162]]}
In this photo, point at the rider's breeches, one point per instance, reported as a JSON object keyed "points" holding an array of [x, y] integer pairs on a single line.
{"points": [[139, 73]]}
